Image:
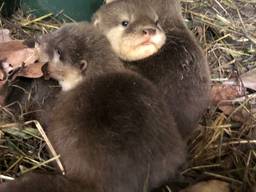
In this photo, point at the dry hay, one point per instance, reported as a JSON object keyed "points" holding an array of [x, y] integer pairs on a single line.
{"points": [[223, 148], [220, 148], [22, 146]]}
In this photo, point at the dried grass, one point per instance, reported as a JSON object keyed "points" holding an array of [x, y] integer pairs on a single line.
{"points": [[23, 145], [221, 148]]}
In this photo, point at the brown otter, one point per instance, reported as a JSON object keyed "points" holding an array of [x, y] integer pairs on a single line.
{"points": [[111, 127], [179, 69], [27, 98]]}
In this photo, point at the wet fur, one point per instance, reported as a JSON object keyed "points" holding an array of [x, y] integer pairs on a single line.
{"points": [[179, 69], [113, 130]]}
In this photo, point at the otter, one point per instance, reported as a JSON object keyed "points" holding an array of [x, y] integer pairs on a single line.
{"points": [[110, 125], [28, 98], [177, 67]]}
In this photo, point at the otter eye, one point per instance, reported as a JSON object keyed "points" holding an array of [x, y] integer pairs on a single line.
{"points": [[83, 65], [59, 52], [125, 23]]}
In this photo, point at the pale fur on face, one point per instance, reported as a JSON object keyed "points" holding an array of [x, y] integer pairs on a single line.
{"points": [[71, 80], [130, 44], [67, 76], [132, 47]]}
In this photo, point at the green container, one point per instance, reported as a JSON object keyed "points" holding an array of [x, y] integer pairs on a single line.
{"points": [[76, 9]]}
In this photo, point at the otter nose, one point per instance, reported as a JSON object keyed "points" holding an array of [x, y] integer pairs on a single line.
{"points": [[149, 31]]}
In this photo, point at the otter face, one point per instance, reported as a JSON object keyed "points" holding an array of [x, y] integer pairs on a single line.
{"points": [[132, 29], [66, 74], [55, 50]]}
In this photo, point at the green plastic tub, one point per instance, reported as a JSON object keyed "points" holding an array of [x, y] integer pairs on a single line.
{"points": [[76, 9]]}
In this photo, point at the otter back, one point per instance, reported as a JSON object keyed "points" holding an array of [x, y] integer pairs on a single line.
{"points": [[118, 131]]}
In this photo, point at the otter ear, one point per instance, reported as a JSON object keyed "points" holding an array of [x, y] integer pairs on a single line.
{"points": [[96, 20], [39, 42], [109, 1], [83, 65], [37, 45], [56, 56]]}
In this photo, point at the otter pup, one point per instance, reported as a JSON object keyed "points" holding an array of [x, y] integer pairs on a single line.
{"points": [[28, 98], [110, 126], [178, 67]]}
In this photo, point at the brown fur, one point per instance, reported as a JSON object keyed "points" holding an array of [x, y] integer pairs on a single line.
{"points": [[122, 133], [179, 69], [69, 58], [36, 182], [113, 130], [28, 98], [140, 38]]}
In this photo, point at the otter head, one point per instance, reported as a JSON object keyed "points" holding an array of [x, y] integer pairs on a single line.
{"points": [[131, 27], [63, 62]]}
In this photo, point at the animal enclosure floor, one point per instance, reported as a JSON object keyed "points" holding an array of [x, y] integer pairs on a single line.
{"points": [[224, 145]]}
